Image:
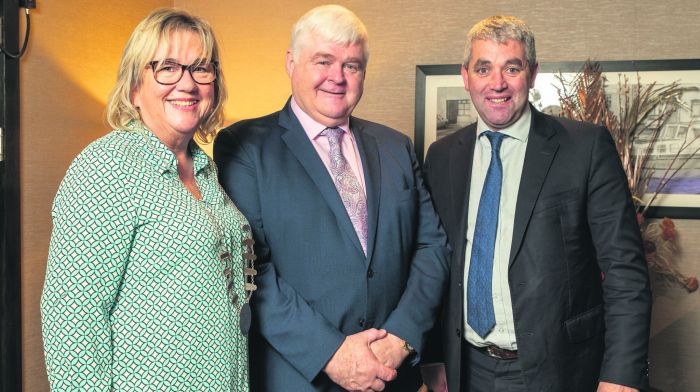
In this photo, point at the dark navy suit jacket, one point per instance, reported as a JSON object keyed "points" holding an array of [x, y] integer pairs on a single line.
{"points": [[315, 285], [574, 224]]}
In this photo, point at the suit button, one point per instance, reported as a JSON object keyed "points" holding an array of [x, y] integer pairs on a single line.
{"points": [[361, 322], [370, 273], [459, 333]]}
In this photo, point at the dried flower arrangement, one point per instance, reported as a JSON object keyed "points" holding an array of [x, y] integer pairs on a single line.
{"points": [[642, 109]]}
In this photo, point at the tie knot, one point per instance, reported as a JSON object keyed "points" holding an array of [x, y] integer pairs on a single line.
{"points": [[333, 133], [495, 138]]}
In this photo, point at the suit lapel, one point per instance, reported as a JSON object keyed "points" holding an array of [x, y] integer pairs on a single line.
{"points": [[461, 157], [371, 166], [300, 146], [540, 152]]}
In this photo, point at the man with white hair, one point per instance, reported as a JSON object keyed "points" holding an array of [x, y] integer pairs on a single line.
{"points": [[352, 258]]}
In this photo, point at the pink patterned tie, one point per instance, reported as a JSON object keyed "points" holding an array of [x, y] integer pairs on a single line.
{"points": [[347, 185]]}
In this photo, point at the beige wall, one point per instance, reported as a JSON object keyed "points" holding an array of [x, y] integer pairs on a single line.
{"points": [[404, 33], [75, 45]]}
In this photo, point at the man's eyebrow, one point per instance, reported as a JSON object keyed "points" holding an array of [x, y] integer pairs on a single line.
{"points": [[354, 60], [481, 62], [515, 61], [322, 55], [325, 55]]}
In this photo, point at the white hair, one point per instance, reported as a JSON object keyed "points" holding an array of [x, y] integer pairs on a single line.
{"points": [[333, 23]]}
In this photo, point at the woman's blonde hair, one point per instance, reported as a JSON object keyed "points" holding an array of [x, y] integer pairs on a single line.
{"points": [[155, 30]]}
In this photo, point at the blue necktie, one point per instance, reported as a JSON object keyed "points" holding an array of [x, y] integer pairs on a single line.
{"points": [[480, 315]]}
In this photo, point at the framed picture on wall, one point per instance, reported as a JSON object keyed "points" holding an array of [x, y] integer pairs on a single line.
{"points": [[443, 107]]}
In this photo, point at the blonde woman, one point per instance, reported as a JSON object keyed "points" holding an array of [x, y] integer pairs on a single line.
{"points": [[145, 281]]}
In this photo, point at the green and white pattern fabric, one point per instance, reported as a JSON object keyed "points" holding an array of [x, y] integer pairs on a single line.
{"points": [[134, 297]]}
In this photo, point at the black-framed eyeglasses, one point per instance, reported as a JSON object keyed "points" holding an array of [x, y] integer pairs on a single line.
{"points": [[169, 72]]}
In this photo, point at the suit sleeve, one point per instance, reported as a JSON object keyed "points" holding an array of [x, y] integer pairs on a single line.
{"points": [[284, 318], [432, 353], [626, 292], [418, 308]]}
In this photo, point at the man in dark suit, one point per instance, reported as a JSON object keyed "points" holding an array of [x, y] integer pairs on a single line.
{"points": [[549, 288], [352, 258]]}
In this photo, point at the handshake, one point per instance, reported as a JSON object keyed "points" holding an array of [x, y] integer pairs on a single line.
{"points": [[367, 360]]}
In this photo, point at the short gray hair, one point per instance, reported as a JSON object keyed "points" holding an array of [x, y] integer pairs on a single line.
{"points": [[501, 29], [333, 23]]}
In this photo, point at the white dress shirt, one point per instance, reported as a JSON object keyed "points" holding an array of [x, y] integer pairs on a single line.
{"points": [[348, 144], [512, 153]]}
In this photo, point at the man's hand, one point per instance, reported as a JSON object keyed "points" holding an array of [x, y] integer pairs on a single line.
{"points": [[355, 368], [389, 350], [608, 387]]}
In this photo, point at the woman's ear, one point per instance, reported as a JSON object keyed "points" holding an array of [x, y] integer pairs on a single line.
{"points": [[135, 98]]}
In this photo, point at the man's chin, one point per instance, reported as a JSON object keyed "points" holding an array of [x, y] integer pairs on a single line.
{"points": [[501, 122], [336, 114]]}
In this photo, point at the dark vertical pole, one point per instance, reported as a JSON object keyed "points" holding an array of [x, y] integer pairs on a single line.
{"points": [[10, 309]]}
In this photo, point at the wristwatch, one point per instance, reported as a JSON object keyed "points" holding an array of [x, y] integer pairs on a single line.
{"points": [[408, 347]]}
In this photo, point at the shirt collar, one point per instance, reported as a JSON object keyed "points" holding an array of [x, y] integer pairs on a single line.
{"points": [[162, 157], [312, 127], [519, 130]]}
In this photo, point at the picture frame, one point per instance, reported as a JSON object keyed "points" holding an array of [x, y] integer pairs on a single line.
{"points": [[443, 106]]}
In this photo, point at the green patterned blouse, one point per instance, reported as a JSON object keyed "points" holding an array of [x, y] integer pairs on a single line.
{"points": [[135, 298]]}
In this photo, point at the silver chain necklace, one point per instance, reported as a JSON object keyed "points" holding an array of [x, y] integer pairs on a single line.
{"points": [[227, 262]]}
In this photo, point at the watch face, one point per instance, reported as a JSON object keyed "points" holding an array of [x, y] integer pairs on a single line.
{"points": [[246, 317]]}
